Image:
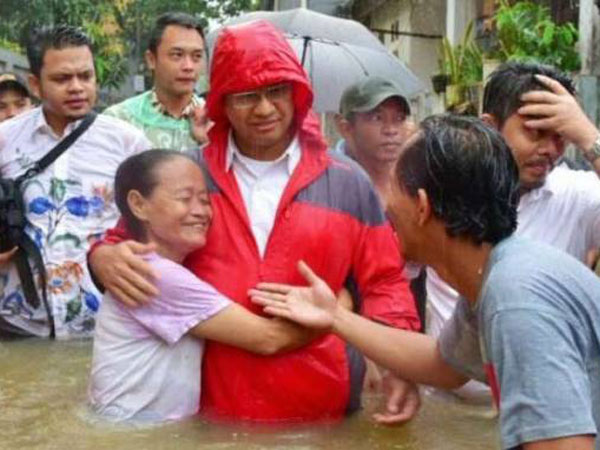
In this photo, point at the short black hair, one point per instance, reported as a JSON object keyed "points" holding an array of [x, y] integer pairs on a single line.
{"points": [[506, 85], [468, 173], [139, 173], [53, 37], [179, 19]]}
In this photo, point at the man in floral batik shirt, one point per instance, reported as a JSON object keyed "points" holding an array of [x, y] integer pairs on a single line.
{"points": [[170, 114], [70, 204]]}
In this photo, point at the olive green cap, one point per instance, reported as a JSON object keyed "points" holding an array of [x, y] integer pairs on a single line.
{"points": [[369, 93]]}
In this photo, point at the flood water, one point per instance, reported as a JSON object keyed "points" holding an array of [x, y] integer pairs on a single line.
{"points": [[42, 406]]}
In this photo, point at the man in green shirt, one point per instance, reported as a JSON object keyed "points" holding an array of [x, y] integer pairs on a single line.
{"points": [[170, 114]]}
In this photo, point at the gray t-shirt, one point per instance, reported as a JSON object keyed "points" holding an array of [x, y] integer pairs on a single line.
{"points": [[534, 332]]}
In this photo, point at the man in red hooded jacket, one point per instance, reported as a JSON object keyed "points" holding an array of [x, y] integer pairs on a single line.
{"points": [[279, 197]]}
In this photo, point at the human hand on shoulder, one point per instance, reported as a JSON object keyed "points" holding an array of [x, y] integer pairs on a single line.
{"points": [[122, 271], [558, 110]]}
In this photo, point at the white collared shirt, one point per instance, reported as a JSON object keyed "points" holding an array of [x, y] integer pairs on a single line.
{"points": [[262, 184], [69, 206], [564, 212]]}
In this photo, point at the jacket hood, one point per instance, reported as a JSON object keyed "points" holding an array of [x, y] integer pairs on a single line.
{"points": [[252, 55]]}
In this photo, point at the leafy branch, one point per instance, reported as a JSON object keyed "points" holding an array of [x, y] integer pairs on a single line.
{"points": [[526, 31]]}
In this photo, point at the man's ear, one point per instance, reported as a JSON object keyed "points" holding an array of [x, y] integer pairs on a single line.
{"points": [[491, 120], [34, 85], [342, 126], [150, 59], [423, 207]]}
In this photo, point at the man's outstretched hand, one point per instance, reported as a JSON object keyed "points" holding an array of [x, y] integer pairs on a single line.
{"points": [[313, 306]]}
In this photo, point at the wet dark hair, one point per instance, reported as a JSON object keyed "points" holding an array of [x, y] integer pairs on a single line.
{"points": [[172, 18], [468, 173], [506, 85], [139, 173], [53, 37]]}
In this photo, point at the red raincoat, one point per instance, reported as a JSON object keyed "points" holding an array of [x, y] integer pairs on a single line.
{"points": [[336, 238]]}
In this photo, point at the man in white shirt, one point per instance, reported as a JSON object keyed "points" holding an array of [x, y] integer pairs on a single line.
{"points": [[70, 204], [534, 108]]}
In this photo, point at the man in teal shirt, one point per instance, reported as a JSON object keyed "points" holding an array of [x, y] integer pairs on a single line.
{"points": [[170, 114]]}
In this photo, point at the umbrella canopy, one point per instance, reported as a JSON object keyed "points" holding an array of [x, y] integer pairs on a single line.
{"points": [[305, 22], [335, 53]]}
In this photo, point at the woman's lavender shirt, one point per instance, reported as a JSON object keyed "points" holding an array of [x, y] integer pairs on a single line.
{"points": [[144, 367]]}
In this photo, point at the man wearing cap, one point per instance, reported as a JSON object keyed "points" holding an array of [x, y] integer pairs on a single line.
{"points": [[14, 96], [373, 122]]}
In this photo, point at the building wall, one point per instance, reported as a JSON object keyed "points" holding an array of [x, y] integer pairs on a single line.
{"points": [[416, 16], [322, 6], [420, 54], [458, 15], [426, 17], [13, 62]]}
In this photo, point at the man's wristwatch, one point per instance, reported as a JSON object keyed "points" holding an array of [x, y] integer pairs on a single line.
{"points": [[593, 153]]}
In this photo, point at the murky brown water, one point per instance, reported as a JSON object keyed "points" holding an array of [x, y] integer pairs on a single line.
{"points": [[42, 406]]}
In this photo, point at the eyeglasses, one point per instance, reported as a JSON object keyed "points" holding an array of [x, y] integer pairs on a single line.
{"points": [[250, 99]]}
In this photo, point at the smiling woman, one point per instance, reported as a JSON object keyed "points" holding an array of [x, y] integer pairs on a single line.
{"points": [[164, 201]]}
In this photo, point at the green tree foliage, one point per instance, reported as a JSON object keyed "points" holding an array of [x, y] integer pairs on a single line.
{"points": [[119, 28], [136, 17], [526, 31], [463, 62]]}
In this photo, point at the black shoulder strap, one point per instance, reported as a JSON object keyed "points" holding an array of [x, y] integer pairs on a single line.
{"points": [[59, 148]]}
